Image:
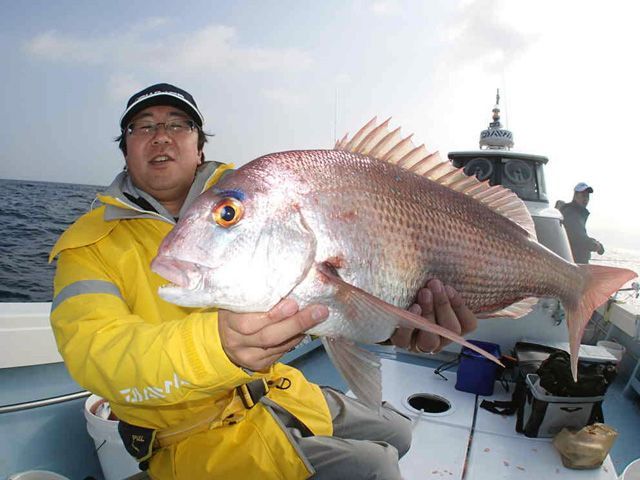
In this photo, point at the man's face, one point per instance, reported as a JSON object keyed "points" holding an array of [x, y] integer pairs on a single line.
{"points": [[582, 198], [163, 164]]}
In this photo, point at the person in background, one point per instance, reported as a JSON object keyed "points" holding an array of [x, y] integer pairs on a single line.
{"points": [[575, 219], [200, 393]]}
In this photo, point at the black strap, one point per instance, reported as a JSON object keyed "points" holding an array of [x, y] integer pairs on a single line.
{"points": [[509, 407], [138, 441], [141, 202]]}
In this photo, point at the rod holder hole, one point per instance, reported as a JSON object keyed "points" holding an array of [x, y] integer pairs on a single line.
{"points": [[429, 403]]}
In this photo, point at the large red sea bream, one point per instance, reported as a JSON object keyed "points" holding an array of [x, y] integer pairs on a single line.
{"points": [[362, 228]]}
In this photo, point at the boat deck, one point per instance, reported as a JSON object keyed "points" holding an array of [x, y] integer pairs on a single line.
{"points": [[469, 442]]}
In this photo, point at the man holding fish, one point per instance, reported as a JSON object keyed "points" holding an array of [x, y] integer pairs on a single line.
{"points": [[199, 391]]}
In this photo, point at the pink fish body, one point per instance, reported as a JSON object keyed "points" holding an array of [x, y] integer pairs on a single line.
{"points": [[361, 229]]}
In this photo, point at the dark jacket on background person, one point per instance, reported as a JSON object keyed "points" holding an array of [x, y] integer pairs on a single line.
{"points": [[575, 219]]}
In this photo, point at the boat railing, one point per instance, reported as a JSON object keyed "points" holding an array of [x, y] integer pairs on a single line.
{"points": [[19, 407]]}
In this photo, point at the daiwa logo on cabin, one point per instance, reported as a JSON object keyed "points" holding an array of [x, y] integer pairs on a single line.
{"points": [[496, 133]]}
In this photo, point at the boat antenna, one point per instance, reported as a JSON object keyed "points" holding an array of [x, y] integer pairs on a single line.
{"points": [[496, 137], [335, 117]]}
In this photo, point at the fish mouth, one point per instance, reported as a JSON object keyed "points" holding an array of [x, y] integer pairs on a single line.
{"points": [[181, 273]]}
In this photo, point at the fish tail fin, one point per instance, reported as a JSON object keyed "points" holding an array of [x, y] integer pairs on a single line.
{"points": [[601, 282]]}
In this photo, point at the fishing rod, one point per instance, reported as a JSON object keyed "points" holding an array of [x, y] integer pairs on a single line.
{"points": [[635, 287]]}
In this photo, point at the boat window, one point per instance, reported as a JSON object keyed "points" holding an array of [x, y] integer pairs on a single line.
{"points": [[480, 167], [520, 177], [523, 176], [542, 186]]}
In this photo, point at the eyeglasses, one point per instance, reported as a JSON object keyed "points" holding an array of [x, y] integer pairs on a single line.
{"points": [[149, 129]]}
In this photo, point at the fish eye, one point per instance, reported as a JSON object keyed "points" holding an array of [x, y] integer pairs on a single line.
{"points": [[228, 212]]}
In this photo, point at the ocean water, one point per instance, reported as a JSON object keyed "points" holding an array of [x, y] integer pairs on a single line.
{"points": [[34, 214], [32, 217], [621, 258]]}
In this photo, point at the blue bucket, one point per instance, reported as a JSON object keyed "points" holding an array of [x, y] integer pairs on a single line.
{"points": [[477, 374]]}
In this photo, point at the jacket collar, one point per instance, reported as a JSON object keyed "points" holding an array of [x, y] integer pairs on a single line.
{"points": [[118, 196]]}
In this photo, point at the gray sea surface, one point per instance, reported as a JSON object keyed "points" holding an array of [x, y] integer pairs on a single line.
{"points": [[32, 217], [621, 258]]}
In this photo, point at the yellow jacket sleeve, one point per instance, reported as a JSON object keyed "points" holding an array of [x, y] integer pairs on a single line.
{"points": [[125, 343]]}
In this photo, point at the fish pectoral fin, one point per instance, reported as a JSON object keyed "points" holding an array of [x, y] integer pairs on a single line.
{"points": [[360, 368], [407, 319], [363, 306], [515, 310]]}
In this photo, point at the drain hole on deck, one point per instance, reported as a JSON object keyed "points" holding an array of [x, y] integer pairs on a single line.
{"points": [[429, 403]]}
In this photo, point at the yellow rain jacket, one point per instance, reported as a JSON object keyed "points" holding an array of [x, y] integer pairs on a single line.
{"points": [[161, 365]]}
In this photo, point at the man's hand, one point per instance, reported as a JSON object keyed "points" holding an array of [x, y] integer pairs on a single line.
{"points": [[439, 304], [257, 340]]}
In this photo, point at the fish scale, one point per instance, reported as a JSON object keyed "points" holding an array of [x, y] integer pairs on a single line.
{"points": [[362, 236], [405, 216], [382, 194]]}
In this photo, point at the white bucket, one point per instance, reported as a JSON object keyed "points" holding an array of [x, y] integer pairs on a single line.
{"points": [[37, 475], [613, 348], [114, 459], [632, 472]]}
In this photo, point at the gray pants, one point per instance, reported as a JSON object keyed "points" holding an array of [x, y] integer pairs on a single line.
{"points": [[365, 444]]}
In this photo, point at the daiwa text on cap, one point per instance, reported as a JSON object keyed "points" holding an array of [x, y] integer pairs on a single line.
{"points": [[161, 94]]}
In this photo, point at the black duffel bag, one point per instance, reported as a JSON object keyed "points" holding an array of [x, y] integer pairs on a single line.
{"points": [[593, 378]]}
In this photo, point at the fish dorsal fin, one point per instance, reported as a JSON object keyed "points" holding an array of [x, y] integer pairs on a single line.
{"points": [[379, 142]]}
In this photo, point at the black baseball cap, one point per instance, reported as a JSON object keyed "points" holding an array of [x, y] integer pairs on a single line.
{"points": [[161, 94]]}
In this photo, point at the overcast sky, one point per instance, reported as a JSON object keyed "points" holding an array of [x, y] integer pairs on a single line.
{"points": [[267, 74]]}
